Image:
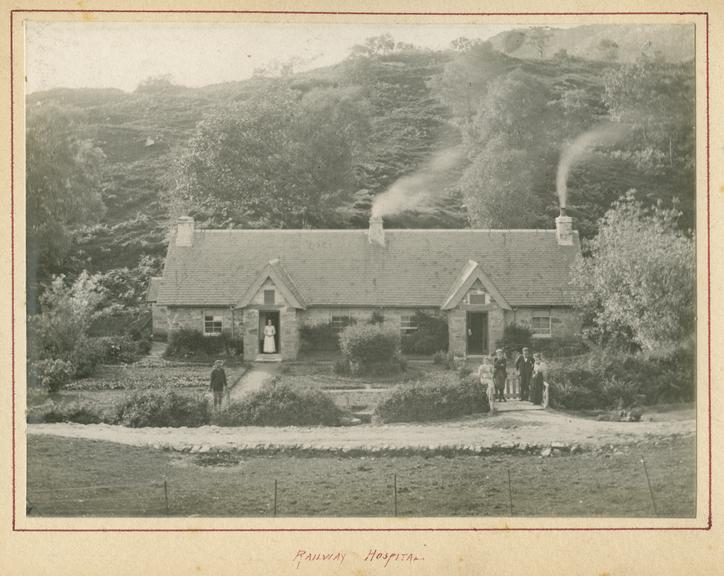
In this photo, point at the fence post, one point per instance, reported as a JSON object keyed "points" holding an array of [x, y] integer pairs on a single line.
{"points": [[394, 487], [275, 498], [165, 494], [651, 491], [510, 493]]}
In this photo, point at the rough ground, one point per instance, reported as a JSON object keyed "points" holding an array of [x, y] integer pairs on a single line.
{"points": [[515, 426]]}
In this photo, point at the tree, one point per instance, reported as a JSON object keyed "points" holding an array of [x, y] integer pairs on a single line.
{"points": [[383, 44], [62, 191], [498, 187], [638, 285], [278, 160], [60, 330]]}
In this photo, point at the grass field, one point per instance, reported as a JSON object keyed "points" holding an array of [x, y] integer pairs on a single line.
{"points": [[70, 477]]}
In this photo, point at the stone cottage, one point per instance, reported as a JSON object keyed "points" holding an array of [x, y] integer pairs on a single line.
{"points": [[233, 281]]}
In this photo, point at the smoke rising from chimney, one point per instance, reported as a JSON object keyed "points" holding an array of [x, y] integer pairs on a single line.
{"points": [[415, 191], [601, 135]]}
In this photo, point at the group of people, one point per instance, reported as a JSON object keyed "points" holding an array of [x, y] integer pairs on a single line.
{"points": [[493, 374]]}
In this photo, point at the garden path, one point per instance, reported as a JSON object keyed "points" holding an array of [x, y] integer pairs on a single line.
{"points": [[253, 380], [524, 428]]}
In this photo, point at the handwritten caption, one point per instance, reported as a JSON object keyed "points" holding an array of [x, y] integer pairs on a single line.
{"points": [[381, 557]]}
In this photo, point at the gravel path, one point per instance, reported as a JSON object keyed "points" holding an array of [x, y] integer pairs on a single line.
{"points": [[253, 380], [515, 427]]}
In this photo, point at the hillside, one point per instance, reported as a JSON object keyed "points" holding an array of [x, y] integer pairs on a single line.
{"points": [[621, 43], [506, 111]]}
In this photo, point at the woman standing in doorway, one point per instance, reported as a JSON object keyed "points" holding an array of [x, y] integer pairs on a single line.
{"points": [[269, 334]]}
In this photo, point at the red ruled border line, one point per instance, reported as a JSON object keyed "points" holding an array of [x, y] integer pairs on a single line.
{"points": [[356, 13]]}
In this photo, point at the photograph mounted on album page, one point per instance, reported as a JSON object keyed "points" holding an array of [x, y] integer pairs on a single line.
{"points": [[309, 288]]}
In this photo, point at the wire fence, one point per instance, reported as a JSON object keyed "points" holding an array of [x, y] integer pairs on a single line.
{"points": [[164, 496]]}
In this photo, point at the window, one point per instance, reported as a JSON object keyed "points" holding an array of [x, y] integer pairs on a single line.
{"points": [[212, 324], [407, 323], [340, 320], [540, 324], [269, 296], [478, 297]]}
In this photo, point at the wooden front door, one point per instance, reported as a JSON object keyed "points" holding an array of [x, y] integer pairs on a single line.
{"points": [[477, 331]]}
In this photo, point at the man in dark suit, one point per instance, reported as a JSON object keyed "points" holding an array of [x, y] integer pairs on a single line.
{"points": [[525, 364], [218, 383]]}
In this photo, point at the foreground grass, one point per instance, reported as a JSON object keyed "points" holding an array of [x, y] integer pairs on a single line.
{"points": [[91, 478]]}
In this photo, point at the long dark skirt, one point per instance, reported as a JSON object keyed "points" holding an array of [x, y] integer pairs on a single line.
{"points": [[536, 391]]}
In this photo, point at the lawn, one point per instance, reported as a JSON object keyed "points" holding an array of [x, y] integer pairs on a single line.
{"points": [[71, 477]]}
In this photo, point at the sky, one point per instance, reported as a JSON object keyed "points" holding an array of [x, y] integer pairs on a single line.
{"points": [[122, 54]]}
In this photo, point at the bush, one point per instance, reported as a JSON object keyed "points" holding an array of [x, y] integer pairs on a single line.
{"points": [[560, 347], [188, 343], [341, 367], [319, 338], [143, 347], [429, 401], [278, 404], [371, 349], [431, 335], [86, 356], [439, 358], [515, 338], [576, 389], [51, 374], [116, 349], [611, 379], [162, 408], [53, 412]]}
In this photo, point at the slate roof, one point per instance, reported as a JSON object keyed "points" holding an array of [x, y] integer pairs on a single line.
{"points": [[415, 268], [153, 285]]}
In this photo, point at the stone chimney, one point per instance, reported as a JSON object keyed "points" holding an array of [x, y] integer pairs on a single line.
{"points": [[185, 231], [564, 229], [376, 234]]}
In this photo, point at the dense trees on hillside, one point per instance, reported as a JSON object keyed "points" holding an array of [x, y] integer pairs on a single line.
{"points": [[280, 160], [63, 190]]}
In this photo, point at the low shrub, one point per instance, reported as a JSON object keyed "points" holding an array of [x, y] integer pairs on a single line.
{"points": [[143, 346], [464, 371], [54, 412], [187, 343], [341, 367], [153, 408], [439, 358], [560, 347], [576, 389], [86, 356], [279, 404], [614, 379], [319, 338], [371, 349], [515, 337], [430, 336], [51, 374], [437, 400], [116, 349]]}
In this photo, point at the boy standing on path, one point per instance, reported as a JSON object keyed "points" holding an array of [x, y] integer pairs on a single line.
{"points": [[218, 383]]}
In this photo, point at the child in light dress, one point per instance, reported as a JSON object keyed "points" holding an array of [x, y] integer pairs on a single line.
{"points": [[485, 374]]}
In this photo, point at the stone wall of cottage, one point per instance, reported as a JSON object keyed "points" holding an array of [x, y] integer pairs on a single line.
{"points": [[565, 322], [171, 318], [392, 316]]}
